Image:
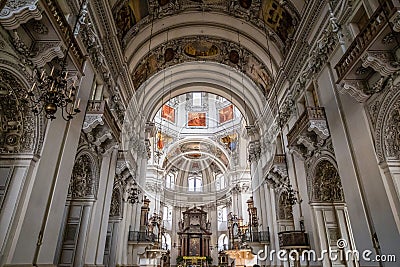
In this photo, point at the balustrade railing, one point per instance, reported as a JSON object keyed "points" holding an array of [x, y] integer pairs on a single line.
{"points": [[364, 39], [96, 106]]}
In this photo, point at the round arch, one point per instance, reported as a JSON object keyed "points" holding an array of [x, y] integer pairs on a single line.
{"points": [[324, 182], [244, 33], [16, 80], [209, 77]]}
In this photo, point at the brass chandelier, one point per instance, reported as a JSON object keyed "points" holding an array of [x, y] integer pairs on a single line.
{"points": [[53, 91]]}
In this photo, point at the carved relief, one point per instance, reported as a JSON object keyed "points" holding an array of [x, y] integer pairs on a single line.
{"points": [[19, 132], [326, 185], [285, 211], [392, 133], [309, 133], [39, 28], [44, 51], [381, 62], [383, 111], [83, 180], [355, 88], [116, 207], [11, 121], [95, 50]]}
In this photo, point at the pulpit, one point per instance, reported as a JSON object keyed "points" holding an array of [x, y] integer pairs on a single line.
{"points": [[194, 233]]}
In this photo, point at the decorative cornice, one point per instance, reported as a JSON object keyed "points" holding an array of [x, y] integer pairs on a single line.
{"points": [[380, 61], [45, 51], [16, 13], [355, 89]]}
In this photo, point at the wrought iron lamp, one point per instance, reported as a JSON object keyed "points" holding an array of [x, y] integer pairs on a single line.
{"points": [[53, 91]]}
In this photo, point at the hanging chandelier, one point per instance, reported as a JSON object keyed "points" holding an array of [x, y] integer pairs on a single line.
{"points": [[53, 91]]}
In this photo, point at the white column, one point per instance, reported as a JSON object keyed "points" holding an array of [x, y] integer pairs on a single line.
{"points": [[105, 212], [320, 233], [263, 208], [83, 233], [363, 185], [213, 213], [343, 222], [40, 211], [255, 182], [101, 209], [274, 238], [269, 221], [114, 244], [135, 216], [16, 173], [136, 224], [126, 234], [124, 227], [391, 179]]}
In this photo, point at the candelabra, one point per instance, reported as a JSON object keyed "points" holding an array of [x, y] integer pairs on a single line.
{"points": [[53, 92]]}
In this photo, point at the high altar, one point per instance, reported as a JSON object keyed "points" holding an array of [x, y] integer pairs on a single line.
{"points": [[194, 233]]}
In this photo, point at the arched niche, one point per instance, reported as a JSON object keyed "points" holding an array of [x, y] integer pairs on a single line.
{"points": [[384, 113], [21, 131], [116, 207], [325, 185], [85, 175]]}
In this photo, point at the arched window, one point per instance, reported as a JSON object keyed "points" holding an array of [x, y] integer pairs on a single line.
{"points": [[222, 214], [166, 241], [170, 181], [219, 181], [197, 99], [195, 184], [167, 213], [222, 242]]}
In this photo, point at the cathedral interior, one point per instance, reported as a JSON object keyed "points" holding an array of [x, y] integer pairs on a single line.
{"points": [[200, 133]]}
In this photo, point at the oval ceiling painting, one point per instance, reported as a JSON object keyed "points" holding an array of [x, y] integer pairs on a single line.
{"points": [[201, 49]]}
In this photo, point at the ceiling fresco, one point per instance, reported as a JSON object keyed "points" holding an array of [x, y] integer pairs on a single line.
{"points": [[128, 13], [277, 18], [202, 49], [194, 151], [132, 15]]}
